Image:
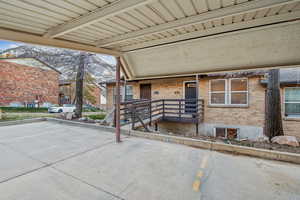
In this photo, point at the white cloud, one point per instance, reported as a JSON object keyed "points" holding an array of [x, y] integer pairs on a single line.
{"points": [[13, 46]]}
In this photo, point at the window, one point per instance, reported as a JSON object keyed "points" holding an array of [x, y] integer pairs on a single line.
{"points": [[292, 101], [229, 91], [229, 133], [128, 92], [220, 132], [115, 94], [218, 92]]}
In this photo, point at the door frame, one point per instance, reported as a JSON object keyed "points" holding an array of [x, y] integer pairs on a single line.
{"points": [[150, 89], [191, 81]]}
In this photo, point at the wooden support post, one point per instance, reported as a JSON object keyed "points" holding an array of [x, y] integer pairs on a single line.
{"points": [[79, 85], [273, 126], [118, 128], [197, 94], [197, 87]]}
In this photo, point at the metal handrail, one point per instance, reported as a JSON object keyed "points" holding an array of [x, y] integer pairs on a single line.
{"points": [[147, 109]]}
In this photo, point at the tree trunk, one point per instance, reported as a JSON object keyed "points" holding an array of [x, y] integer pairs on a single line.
{"points": [[273, 125], [79, 85]]}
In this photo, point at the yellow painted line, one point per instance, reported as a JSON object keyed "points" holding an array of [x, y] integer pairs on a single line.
{"points": [[204, 162], [200, 174], [196, 185]]}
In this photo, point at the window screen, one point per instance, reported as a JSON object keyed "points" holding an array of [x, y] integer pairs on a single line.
{"points": [[218, 91], [292, 101], [229, 91]]}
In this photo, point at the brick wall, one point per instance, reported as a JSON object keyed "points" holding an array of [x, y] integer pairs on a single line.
{"points": [[19, 83], [249, 119], [252, 115], [96, 92], [109, 97]]}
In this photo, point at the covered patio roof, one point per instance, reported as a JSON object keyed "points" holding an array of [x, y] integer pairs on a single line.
{"points": [[157, 38]]}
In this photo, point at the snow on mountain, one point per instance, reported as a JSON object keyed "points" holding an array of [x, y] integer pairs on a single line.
{"points": [[101, 67]]}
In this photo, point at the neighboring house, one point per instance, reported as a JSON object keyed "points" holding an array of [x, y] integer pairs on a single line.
{"points": [[27, 82], [234, 103], [67, 93]]}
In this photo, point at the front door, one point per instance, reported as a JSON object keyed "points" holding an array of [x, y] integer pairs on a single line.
{"points": [[190, 97], [145, 91]]}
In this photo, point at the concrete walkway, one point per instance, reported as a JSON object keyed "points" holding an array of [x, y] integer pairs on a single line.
{"points": [[47, 160]]}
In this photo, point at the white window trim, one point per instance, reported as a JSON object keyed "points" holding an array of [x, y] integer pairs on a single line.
{"points": [[228, 92], [210, 92], [226, 129], [126, 91], [284, 102]]}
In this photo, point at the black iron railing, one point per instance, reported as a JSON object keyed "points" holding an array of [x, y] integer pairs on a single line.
{"points": [[174, 110]]}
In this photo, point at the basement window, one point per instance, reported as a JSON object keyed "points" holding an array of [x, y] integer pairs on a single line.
{"points": [[226, 133], [220, 132]]}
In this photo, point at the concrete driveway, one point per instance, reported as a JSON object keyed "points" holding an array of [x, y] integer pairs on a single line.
{"points": [[47, 160]]}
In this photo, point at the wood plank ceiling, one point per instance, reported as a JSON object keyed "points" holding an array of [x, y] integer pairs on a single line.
{"points": [[125, 25]]}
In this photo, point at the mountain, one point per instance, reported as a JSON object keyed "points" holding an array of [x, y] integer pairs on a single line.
{"points": [[101, 67]]}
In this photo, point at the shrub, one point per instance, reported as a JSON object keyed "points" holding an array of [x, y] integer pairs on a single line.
{"points": [[92, 109], [94, 117]]}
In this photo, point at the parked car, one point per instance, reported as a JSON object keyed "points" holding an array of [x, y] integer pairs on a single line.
{"points": [[64, 108]]}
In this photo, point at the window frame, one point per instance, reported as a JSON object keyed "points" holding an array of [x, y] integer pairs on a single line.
{"points": [[225, 93], [284, 102], [228, 93], [226, 130], [126, 92]]}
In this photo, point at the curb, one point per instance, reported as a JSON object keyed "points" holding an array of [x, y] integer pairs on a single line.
{"points": [[81, 124], [24, 121], [215, 146]]}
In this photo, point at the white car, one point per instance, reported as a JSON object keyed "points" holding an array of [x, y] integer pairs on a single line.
{"points": [[60, 109]]}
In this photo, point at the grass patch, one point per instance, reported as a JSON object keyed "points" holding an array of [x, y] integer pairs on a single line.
{"points": [[99, 116], [23, 110], [14, 117]]}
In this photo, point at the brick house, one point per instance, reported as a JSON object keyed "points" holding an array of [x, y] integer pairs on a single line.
{"points": [[67, 93], [233, 103], [27, 82]]}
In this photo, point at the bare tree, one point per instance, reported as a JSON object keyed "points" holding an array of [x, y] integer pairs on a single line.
{"points": [[79, 85], [273, 108]]}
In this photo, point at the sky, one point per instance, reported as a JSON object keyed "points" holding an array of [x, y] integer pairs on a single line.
{"points": [[8, 44]]}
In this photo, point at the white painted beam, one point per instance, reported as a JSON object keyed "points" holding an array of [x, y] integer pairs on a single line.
{"points": [[6, 34], [126, 67], [265, 46], [217, 30], [97, 15], [201, 18]]}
